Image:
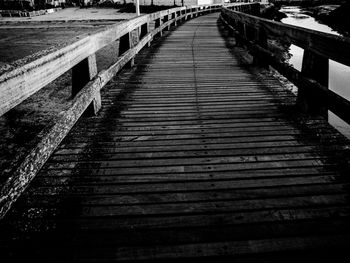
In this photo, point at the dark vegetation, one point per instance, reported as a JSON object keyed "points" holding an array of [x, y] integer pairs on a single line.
{"points": [[338, 18], [272, 12], [332, 13], [306, 3]]}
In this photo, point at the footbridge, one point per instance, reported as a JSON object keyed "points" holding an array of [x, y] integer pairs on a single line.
{"points": [[189, 148]]}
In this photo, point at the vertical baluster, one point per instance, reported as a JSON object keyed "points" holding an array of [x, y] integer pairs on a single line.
{"points": [[82, 73], [244, 31], [174, 15], [166, 19], [261, 40], [125, 43], [190, 13], [144, 32], [157, 25], [316, 67], [233, 24]]}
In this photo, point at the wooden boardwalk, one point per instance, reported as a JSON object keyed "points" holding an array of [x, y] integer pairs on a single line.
{"points": [[191, 159]]}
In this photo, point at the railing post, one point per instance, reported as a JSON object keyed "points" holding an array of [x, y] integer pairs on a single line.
{"points": [[125, 43], [261, 40], [233, 27], [157, 25], [82, 73], [174, 15], [315, 67], [243, 30], [144, 32], [166, 19]]}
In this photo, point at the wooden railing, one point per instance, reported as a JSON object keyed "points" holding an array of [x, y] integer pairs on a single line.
{"points": [[20, 83], [312, 82]]}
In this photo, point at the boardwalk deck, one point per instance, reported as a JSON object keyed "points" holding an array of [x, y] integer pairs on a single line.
{"points": [[191, 158]]}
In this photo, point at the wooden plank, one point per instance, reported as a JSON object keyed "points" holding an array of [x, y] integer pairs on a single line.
{"points": [[50, 200], [19, 84], [209, 207], [204, 176], [182, 169], [179, 186], [254, 247], [187, 221]]}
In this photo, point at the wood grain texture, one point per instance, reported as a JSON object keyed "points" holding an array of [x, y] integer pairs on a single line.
{"points": [[323, 44], [86, 90], [22, 82], [323, 48], [191, 159]]}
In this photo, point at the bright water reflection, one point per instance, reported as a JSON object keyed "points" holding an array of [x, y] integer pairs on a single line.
{"points": [[339, 75]]}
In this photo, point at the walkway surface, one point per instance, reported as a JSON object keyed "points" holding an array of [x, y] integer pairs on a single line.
{"points": [[191, 159]]}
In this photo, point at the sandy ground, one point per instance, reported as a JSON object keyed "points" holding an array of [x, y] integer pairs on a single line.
{"points": [[22, 39], [74, 13], [24, 36]]}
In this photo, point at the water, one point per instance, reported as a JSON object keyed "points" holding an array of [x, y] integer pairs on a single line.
{"points": [[339, 75]]}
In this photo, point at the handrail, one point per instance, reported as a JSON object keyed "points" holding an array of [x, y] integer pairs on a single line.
{"points": [[318, 42], [19, 84], [312, 82]]}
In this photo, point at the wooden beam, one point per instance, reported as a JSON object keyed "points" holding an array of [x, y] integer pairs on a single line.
{"points": [[82, 73], [315, 67], [22, 82], [51, 136], [319, 43], [334, 102], [158, 23], [144, 31], [26, 79], [125, 43]]}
